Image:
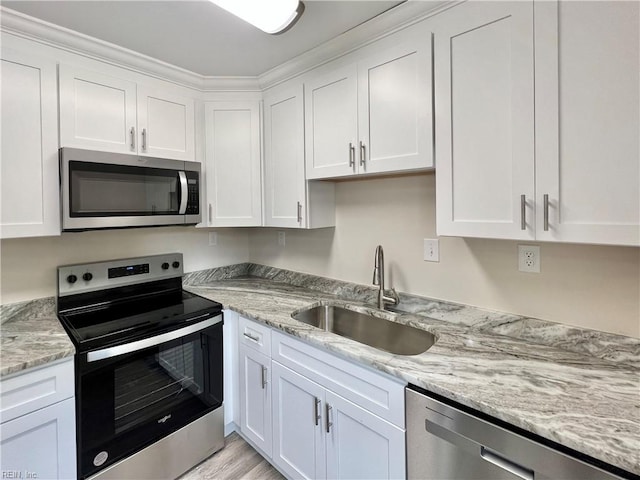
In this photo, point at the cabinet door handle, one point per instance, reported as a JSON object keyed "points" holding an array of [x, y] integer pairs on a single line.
{"points": [[352, 155], [251, 337], [327, 412], [299, 212], [132, 132], [264, 377], [210, 213], [363, 154], [144, 139], [316, 411], [546, 212], [523, 212]]}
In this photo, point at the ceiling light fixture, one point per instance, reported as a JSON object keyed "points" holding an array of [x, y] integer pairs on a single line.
{"points": [[271, 16]]}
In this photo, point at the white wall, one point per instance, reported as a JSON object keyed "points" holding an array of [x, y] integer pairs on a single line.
{"points": [[590, 286], [28, 266]]}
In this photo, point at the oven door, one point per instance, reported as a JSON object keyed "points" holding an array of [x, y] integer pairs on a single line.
{"points": [[131, 395]]}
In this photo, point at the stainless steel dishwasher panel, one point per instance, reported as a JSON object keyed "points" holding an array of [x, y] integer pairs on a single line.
{"points": [[445, 443]]}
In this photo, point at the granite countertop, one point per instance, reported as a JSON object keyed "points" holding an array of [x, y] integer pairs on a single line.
{"points": [[31, 335], [585, 403], [579, 388]]}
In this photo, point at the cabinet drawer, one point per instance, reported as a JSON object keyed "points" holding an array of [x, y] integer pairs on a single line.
{"points": [[255, 335], [377, 393], [35, 389]]}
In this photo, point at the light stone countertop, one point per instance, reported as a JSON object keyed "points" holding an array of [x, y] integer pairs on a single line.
{"points": [[584, 403], [584, 395]]}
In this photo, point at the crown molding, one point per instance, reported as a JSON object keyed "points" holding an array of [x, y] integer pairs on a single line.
{"points": [[385, 24], [402, 16]]}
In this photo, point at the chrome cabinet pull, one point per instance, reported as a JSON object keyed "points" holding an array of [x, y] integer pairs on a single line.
{"points": [[363, 154], [299, 212], [264, 377], [316, 412], [251, 337], [144, 139], [132, 132], [523, 212], [327, 412], [506, 464], [210, 213], [352, 155], [546, 212]]}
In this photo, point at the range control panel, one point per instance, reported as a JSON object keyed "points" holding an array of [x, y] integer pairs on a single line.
{"points": [[90, 277]]}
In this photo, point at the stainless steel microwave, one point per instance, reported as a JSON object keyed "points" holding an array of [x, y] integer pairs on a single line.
{"points": [[110, 190]]}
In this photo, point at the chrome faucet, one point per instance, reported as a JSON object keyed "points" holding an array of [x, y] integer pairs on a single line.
{"points": [[378, 279]]}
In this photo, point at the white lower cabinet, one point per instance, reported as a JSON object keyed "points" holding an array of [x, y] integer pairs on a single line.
{"points": [[255, 398], [329, 418], [38, 434], [319, 434]]}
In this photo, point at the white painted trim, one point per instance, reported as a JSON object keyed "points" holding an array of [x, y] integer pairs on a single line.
{"points": [[385, 24], [46, 33]]}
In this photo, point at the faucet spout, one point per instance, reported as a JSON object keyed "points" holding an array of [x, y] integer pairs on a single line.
{"points": [[378, 279]]}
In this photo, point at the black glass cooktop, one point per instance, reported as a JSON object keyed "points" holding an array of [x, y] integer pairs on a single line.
{"points": [[112, 320]]}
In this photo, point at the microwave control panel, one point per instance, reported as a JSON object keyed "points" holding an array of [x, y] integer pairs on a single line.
{"points": [[193, 186]]}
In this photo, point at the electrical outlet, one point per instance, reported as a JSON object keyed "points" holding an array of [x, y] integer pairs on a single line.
{"points": [[529, 258], [431, 250], [213, 239], [281, 239]]}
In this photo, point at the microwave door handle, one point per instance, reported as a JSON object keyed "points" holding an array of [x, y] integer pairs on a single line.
{"points": [[118, 350], [184, 193]]}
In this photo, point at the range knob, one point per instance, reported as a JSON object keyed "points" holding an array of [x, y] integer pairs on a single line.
{"points": [[176, 264], [72, 278], [165, 266], [87, 276]]}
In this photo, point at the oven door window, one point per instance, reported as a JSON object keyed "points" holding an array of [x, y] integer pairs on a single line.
{"points": [[103, 190], [131, 401]]}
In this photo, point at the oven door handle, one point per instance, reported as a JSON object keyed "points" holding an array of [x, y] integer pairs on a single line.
{"points": [[184, 193], [150, 342]]}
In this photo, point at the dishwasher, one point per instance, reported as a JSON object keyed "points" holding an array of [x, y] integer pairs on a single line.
{"points": [[447, 441]]}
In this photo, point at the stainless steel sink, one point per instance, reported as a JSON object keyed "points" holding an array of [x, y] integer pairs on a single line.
{"points": [[376, 332]]}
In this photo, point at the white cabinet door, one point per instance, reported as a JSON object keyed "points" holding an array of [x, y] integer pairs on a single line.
{"points": [[484, 120], [284, 180], [298, 441], [587, 121], [166, 124], [255, 398], [331, 123], [41, 444], [29, 164], [97, 111], [395, 108], [361, 445], [233, 164]]}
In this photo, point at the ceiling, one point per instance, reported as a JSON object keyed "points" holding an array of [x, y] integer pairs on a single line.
{"points": [[199, 36]]}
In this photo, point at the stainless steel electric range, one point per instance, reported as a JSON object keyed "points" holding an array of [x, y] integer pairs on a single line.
{"points": [[149, 373]]}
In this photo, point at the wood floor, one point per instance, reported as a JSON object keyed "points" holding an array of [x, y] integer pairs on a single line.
{"points": [[236, 460]]}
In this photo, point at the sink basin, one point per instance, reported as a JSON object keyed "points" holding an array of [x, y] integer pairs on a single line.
{"points": [[376, 332]]}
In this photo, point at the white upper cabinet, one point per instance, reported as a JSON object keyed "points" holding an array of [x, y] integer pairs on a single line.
{"points": [[101, 112], [485, 120], [573, 173], [291, 201], [587, 122], [29, 164], [374, 114], [284, 181], [166, 124], [395, 108], [331, 121], [232, 136]]}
